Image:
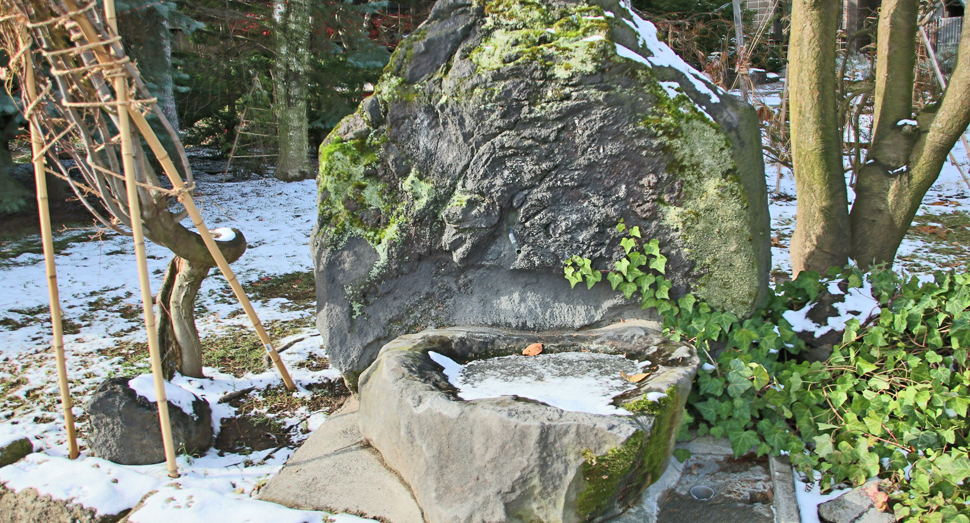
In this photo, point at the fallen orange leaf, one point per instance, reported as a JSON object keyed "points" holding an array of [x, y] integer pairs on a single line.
{"points": [[635, 378], [878, 497], [933, 229], [532, 350]]}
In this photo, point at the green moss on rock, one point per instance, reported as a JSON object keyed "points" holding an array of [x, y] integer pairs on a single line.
{"points": [[712, 215], [621, 475], [566, 40]]}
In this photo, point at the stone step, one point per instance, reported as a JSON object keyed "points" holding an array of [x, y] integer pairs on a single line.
{"points": [[337, 471]]}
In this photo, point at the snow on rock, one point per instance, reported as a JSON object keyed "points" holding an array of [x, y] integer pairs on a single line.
{"points": [[223, 234], [663, 56], [144, 386], [92, 483], [550, 378]]}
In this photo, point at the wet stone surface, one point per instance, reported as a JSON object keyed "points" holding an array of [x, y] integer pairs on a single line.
{"points": [[742, 491]]}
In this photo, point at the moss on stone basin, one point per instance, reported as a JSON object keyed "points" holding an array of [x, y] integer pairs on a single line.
{"points": [[514, 459]]}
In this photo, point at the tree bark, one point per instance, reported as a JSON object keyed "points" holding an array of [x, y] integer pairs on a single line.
{"points": [[904, 160], [177, 336], [290, 87], [821, 238]]}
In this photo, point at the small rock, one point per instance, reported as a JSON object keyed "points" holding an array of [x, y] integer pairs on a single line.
{"points": [[14, 451], [125, 427], [857, 506]]}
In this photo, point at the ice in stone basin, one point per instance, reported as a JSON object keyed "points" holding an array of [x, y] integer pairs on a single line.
{"points": [[575, 381]]}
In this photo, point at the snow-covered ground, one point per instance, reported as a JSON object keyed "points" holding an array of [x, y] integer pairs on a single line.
{"points": [[276, 218]]}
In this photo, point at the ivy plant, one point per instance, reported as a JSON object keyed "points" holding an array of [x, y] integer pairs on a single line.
{"points": [[891, 401]]}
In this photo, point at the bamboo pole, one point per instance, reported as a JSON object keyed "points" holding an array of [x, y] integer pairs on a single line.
{"points": [[186, 198], [43, 209], [134, 209]]}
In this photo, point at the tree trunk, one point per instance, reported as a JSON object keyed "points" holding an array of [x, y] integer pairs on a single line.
{"points": [[178, 339], [904, 160], [290, 79], [821, 238]]}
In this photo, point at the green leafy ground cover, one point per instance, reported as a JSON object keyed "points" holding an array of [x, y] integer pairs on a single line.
{"points": [[890, 402]]}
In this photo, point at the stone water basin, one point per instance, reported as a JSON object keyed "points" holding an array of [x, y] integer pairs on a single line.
{"points": [[510, 458]]}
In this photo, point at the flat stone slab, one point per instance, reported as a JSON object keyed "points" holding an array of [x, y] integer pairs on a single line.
{"points": [[511, 459], [748, 489], [337, 471]]}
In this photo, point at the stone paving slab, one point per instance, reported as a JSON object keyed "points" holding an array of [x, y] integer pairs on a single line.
{"points": [[337, 471], [745, 489]]}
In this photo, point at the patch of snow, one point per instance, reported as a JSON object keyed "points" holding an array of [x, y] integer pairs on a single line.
{"points": [[93, 483], [609, 14], [655, 396], [663, 56], [594, 18], [809, 498], [223, 234], [708, 367], [907, 122], [144, 386], [858, 304], [199, 505], [574, 381], [594, 38], [6, 439]]}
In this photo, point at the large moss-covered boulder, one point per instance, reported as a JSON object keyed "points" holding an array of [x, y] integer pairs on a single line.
{"points": [[510, 135]]}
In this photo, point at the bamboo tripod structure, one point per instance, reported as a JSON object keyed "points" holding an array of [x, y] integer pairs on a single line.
{"points": [[95, 60]]}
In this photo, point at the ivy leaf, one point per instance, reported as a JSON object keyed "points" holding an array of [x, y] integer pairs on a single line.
{"points": [[635, 231], [823, 445], [742, 441], [687, 303], [663, 289], [744, 337], [652, 247], [620, 227], [615, 279], [682, 455], [627, 288], [628, 244], [636, 259], [644, 282], [623, 265], [573, 276], [761, 378], [592, 278], [659, 264], [855, 280], [708, 409]]}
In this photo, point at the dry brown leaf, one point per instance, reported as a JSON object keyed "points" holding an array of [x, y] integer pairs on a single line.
{"points": [[776, 242], [945, 202], [933, 229], [532, 350], [878, 497], [634, 378]]}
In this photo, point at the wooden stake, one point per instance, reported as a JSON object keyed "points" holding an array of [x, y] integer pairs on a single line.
{"points": [[162, 156], [43, 209], [134, 210]]}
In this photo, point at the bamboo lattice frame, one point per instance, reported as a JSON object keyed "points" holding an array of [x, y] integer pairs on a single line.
{"points": [[81, 99]]}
